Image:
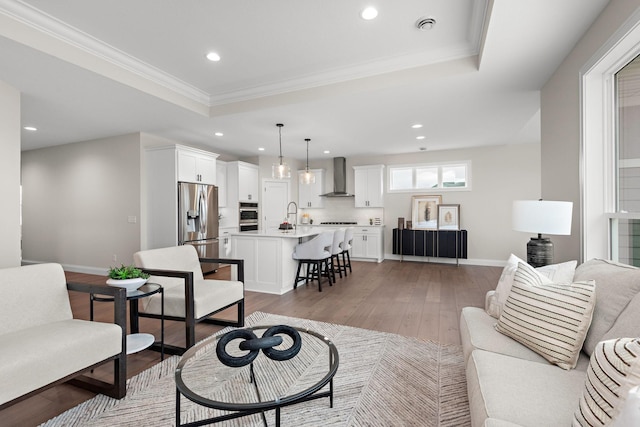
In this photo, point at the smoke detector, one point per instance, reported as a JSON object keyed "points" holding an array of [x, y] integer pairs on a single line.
{"points": [[425, 24]]}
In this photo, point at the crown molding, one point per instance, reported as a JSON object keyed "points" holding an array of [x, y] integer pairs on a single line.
{"points": [[345, 74], [57, 29]]}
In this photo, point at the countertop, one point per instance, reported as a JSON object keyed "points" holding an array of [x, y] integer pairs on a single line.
{"points": [[340, 225], [300, 231]]}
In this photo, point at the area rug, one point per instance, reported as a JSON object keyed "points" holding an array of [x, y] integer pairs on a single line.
{"points": [[383, 380]]}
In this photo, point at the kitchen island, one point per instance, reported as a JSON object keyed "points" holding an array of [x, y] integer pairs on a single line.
{"points": [[267, 254]]}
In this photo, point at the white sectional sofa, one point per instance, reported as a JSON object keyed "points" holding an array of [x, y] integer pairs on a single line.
{"points": [[509, 384], [42, 345]]}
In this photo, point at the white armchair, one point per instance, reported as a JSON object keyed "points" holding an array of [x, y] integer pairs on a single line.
{"points": [[43, 345], [188, 296]]}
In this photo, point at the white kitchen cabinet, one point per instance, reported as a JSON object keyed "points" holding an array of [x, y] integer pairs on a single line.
{"points": [[242, 182], [369, 186], [221, 182], [309, 194], [163, 170], [368, 243], [196, 165], [224, 240]]}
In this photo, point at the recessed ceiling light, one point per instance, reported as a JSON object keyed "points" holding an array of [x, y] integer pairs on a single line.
{"points": [[260, 148], [369, 13], [416, 126], [326, 151], [219, 134], [212, 56], [31, 128], [420, 137]]}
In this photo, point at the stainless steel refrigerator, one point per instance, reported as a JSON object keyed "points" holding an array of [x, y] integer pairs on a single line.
{"points": [[198, 220]]}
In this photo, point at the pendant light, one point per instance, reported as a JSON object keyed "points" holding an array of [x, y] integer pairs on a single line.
{"points": [[307, 177], [280, 170]]}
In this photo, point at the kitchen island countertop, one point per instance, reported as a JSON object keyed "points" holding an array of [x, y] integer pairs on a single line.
{"points": [[300, 231]]}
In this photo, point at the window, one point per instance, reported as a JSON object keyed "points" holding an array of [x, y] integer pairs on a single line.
{"points": [[443, 177], [604, 223], [625, 221]]}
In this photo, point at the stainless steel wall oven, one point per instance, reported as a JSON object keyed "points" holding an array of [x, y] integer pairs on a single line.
{"points": [[248, 216]]}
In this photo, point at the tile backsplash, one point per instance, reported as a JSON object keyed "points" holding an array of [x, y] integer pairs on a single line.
{"points": [[342, 209]]}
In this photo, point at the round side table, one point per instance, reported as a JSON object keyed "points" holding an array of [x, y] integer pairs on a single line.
{"points": [[137, 341]]}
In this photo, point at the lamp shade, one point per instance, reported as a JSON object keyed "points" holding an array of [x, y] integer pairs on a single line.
{"points": [[280, 170], [542, 216]]}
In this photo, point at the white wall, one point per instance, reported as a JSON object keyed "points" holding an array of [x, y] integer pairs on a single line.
{"points": [[10, 167], [560, 120], [78, 203], [500, 174]]}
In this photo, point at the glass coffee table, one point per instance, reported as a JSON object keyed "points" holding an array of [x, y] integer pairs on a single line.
{"points": [[262, 385]]}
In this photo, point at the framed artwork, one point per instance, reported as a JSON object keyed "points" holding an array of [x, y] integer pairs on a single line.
{"points": [[449, 217], [424, 212]]}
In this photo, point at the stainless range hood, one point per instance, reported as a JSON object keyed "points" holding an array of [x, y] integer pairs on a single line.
{"points": [[339, 179]]}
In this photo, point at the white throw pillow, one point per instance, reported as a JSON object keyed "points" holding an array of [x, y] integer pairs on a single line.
{"points": [[551, 319], [555, 273], [614, 369], [559, 273]]}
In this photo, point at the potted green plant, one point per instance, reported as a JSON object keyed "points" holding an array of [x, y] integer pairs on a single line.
{"points": [[127, 276]]}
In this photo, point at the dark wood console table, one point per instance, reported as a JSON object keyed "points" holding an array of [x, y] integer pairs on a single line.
{"points": [[430, 243]]}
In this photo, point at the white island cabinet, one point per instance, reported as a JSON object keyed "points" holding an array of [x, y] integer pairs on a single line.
{"points": [[267, 254]]}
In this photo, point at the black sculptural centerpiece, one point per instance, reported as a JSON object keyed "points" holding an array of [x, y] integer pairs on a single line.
{"points": [[253, 344]]}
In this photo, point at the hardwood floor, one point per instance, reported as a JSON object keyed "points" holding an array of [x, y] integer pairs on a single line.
{"points": [[421, 300]]}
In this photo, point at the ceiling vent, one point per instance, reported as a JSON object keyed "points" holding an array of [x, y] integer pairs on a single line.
{"points": [[425, 24]]}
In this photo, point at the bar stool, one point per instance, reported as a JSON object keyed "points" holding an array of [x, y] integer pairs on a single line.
{"points": [[336, 251], [316, 257], [346, 247]]}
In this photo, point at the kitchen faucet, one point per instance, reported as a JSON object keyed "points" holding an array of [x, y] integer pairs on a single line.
{"points": [[295, 213]]}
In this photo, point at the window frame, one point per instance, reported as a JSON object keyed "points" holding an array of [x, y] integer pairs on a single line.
{"points": [[440, 188], [598, 157]]}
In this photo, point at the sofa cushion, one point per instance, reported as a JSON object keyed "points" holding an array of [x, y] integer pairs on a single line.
{"points": [[492, 422], [613, 370], [35, 357], [209, 296], [44, 286], [628, 322], [477, 331], [616, 285], [558, 273], [521, 392], [550, 318]]}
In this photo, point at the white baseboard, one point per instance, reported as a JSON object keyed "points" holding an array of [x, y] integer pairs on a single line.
{"points": [[73, 268], [438, 260]]}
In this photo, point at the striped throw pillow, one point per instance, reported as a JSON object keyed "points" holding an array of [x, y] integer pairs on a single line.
{"points": [[551, 319], [613, 370]]}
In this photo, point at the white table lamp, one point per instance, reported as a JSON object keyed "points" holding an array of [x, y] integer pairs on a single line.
{"points": [[541, 217]]}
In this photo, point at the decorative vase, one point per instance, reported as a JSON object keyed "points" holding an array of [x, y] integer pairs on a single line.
{"points": [[128, 284]]}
